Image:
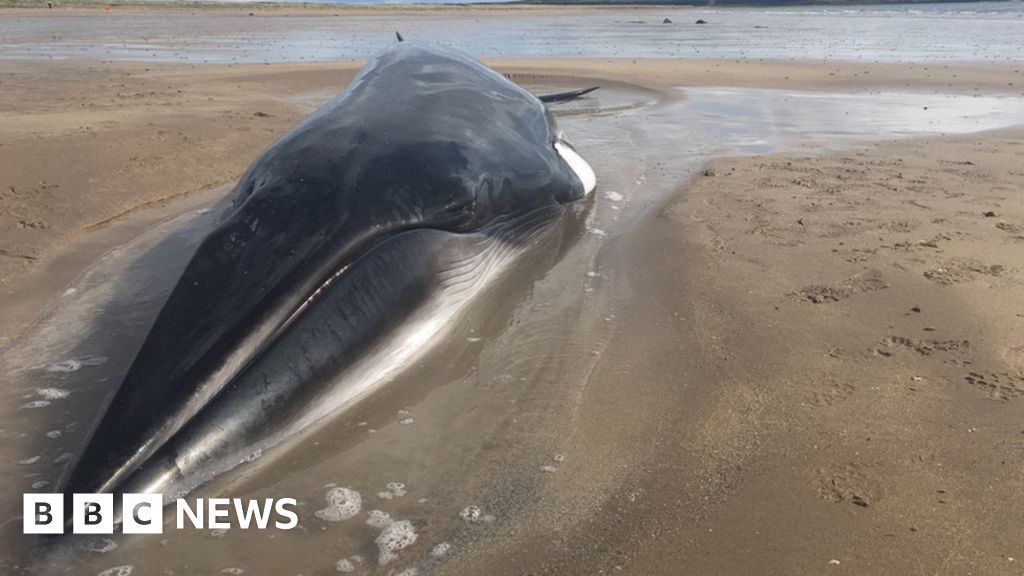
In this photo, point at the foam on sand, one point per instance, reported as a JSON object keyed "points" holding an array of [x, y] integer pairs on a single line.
{"points": [[103, 546], [473, 514], [76, 364], [441, 550], [348, 565], [342, 504], [379, 519], [394, 537], [52, 393], [394, 490]]}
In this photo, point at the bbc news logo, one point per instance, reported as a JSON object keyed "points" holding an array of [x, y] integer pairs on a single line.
{"points": [[144, 513]]}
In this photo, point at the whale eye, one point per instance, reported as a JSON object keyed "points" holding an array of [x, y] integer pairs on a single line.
{"points": [[578, 165]]}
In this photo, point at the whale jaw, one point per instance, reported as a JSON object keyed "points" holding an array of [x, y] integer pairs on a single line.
{"points": [[580, 166]]}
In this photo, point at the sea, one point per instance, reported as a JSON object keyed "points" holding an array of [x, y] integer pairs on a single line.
{"points": [[945, 32]]}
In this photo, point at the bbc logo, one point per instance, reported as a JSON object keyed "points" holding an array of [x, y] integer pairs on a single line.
{"points": [[93, 513]]}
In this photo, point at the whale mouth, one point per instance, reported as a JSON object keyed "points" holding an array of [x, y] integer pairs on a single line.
{"points": [[576, 162], [438, 276]]}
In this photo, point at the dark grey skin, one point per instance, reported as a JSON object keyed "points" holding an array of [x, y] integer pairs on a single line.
{"points": [[370, 322], [332, 239]]}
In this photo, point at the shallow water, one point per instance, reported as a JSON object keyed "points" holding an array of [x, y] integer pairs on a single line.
{"points": [[760, 120], [984, 32]]}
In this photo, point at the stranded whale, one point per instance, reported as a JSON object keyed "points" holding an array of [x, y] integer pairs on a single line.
{"points": [[342, 252]]}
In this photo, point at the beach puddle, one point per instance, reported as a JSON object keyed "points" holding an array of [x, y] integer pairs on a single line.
{"points": [[486, 437], [755, 121]]}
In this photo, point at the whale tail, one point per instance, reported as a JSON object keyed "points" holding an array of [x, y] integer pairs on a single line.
{"points": [[399, 36]]}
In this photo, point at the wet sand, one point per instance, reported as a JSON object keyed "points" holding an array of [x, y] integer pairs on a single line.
{"points": [[857, 320], [800, 363]]}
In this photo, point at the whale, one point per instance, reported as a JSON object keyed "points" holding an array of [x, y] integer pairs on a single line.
{"points": [[345, 252]]}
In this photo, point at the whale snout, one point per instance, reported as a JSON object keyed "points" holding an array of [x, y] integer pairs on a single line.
{"points": [[579, 166]]}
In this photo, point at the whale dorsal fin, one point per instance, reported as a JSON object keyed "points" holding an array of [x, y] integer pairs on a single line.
{"points": [[566, 96]]}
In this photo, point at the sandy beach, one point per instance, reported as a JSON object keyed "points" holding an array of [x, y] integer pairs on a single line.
{"points": [[804, 361]]}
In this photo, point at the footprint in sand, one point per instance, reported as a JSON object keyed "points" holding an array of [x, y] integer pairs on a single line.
{"points": [[959, 271], [830, 391], [1002, 386], [851, 483], [924, 347], [824, 294]]}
